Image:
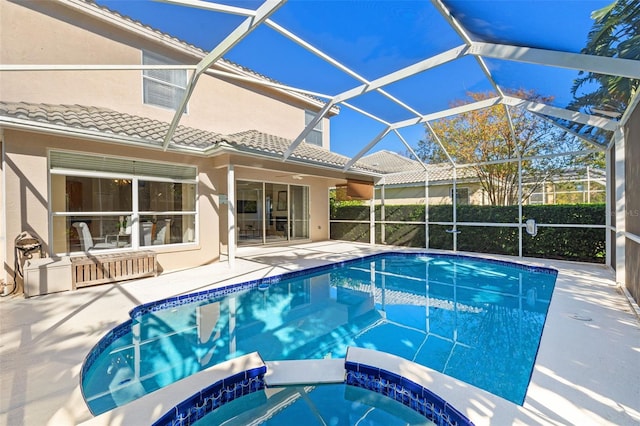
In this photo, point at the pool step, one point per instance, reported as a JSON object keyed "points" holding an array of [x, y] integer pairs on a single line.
{"points": [[300, 372]]}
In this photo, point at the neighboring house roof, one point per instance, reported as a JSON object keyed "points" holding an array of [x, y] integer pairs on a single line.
{"points": [[107, 124], [390, 162], [400, 171], [436, 173], [403, 171]]}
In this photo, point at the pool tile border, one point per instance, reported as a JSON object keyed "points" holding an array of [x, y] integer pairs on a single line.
{"points": [[214, 396], [405, 391], [374, 379]]}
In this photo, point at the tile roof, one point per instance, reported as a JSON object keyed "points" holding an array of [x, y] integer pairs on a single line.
{"points": [[130, 128], [107, 121], [119, 126], [400, 170], [255, 140], [390, 162]]}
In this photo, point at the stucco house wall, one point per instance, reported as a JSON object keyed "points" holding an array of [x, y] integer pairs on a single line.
{"points": [[438, 194], [77, 33], [28, 189], [69, 37]]}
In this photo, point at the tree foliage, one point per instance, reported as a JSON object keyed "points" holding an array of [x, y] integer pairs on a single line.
{"points": [[615, 33], [484, 136]]}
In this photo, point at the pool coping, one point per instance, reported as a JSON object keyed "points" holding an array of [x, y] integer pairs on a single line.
{"points": [[193, 397], [304, 371], [153, 406]]}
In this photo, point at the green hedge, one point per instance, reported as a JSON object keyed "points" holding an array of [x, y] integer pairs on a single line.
{"points": [[578, 244]]}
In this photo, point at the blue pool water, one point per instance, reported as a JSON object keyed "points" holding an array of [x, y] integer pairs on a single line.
{"points": [[335, 405], [476, 320]]}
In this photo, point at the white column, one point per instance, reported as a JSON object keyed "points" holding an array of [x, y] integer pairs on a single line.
{"points": [[620, 206], [426, 209], [588, 185], [231, 215], [135, 216], [383, 237], [372, 219], [454, 199], [519, 206]]}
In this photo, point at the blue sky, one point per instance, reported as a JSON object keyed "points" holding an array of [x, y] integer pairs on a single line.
{"points": [[374, 38]]}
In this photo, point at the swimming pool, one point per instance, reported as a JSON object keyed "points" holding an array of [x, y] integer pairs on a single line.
{"points": [[477, 320]]}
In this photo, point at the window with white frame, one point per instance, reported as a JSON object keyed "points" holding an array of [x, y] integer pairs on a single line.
{"points": [[163, 88], [315, 135], [462, 195], [100, 203]]}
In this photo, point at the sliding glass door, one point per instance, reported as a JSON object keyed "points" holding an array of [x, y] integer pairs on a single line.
{"points": [[276, 220], [271, 212], [299, 212], [249, 212]]}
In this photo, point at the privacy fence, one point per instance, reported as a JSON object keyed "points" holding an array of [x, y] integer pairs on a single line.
{"points": [[568, 232]]}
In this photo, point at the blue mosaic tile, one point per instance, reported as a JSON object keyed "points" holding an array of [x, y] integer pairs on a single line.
{"points": [[389, 376], [350, 366], [366, 369], [455, 417], [405, 391], [411, 386], [213, 389], [167, 419], [212, 397], [256, 372], [236, 378]]}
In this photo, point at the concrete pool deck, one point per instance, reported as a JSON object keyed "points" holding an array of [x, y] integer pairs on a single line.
{"points": [[587, 370]]}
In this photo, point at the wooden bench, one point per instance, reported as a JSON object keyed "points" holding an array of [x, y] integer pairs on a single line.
{"points": [[90, 269]]}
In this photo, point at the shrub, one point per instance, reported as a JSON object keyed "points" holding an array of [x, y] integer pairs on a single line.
{"points": [[578, 244]]}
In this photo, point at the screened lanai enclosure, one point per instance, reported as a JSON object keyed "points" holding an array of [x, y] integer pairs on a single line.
{"points": [[507, 127]]}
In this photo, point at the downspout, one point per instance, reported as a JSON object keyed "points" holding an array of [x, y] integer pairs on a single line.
{"points": [[3, 217]]}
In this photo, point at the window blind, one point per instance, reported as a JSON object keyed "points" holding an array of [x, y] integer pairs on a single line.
{"points": [[76, 161]]}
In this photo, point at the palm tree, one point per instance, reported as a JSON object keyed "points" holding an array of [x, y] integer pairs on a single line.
{"points": [[615, 33]]}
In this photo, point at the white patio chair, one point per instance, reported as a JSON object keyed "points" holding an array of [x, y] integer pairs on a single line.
{"points": [[86, 240]]}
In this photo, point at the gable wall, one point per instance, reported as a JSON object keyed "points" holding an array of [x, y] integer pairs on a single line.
{"points": [[65, 36]]}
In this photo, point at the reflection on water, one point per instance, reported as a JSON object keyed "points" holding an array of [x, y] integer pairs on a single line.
{"points": [[478, 322], [329, 404]]}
